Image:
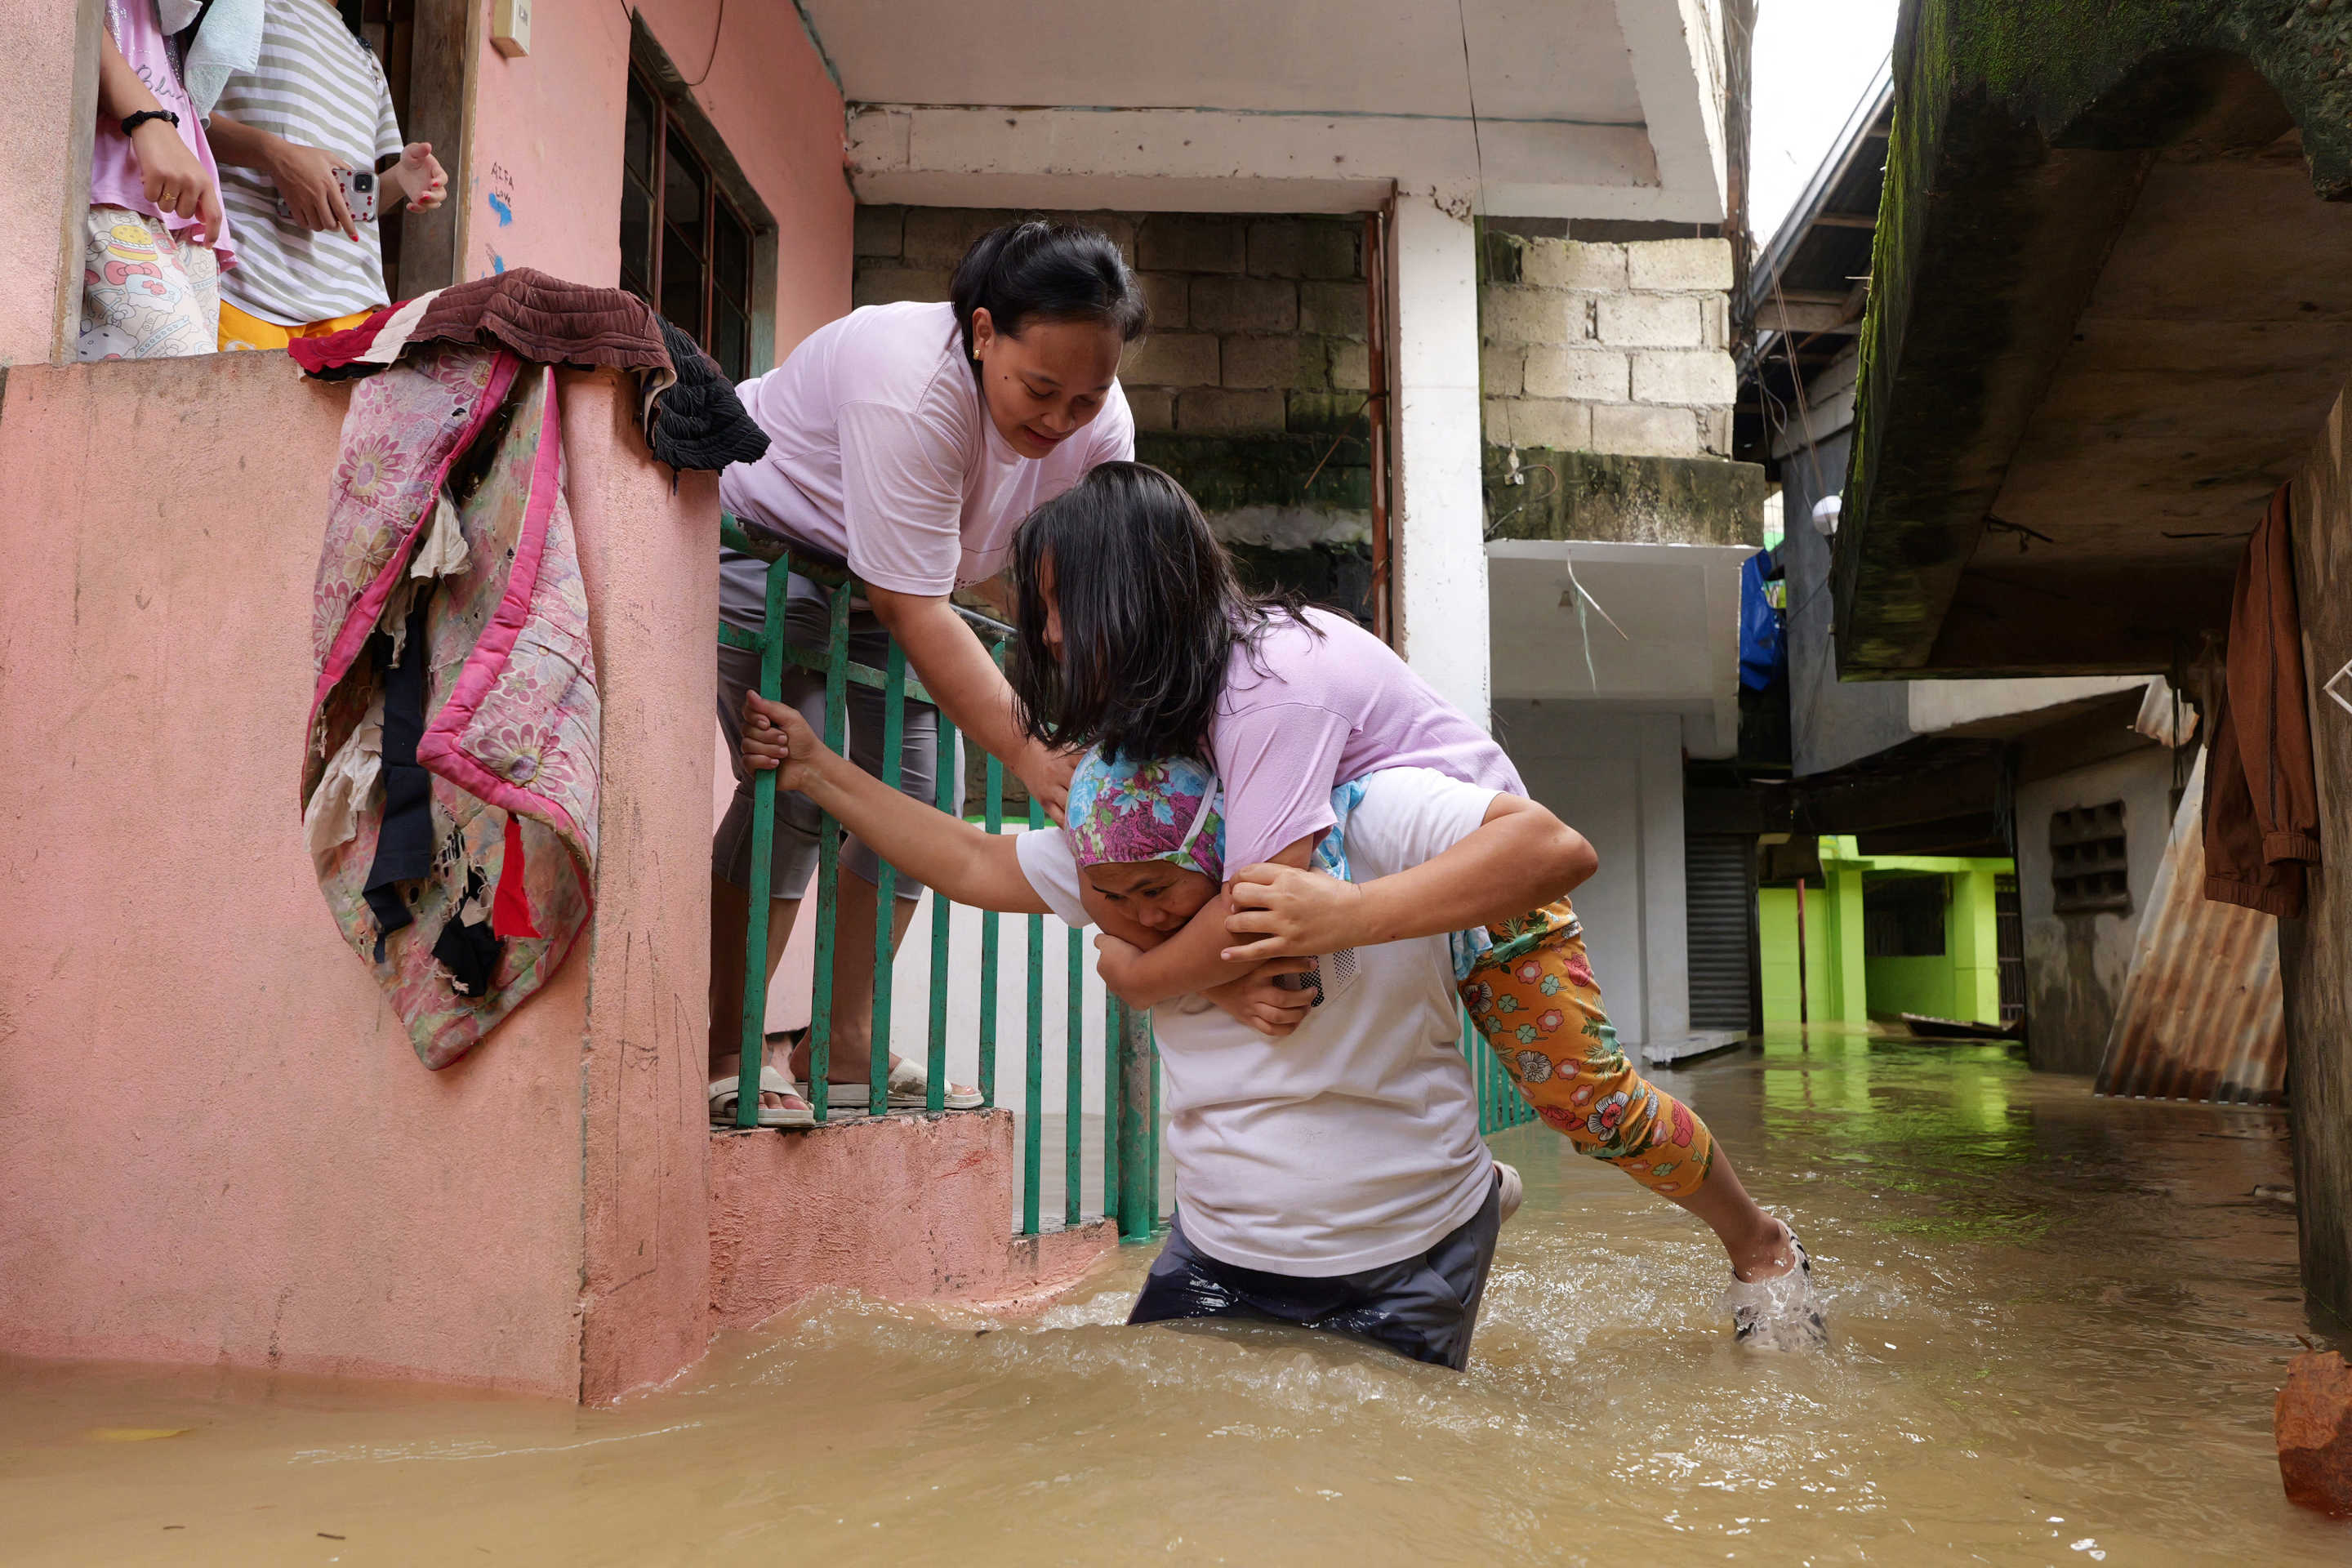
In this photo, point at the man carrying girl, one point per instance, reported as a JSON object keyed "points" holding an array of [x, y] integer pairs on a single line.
{"points": [[1135, 637]]}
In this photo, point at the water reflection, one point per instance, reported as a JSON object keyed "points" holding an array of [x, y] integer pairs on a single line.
{"points": [[2059, 1323]]}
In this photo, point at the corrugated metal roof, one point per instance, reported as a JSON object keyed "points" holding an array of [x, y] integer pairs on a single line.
{"points": [[2201, 1017]]}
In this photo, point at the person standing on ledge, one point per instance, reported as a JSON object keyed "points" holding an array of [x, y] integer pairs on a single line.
{"points": [[909, 441]]}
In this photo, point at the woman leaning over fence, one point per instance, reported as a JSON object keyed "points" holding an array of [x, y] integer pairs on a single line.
{"points": [[909, 441]]}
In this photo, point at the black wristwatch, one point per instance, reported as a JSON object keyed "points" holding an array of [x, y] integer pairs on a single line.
{"points": [[134, 121]]}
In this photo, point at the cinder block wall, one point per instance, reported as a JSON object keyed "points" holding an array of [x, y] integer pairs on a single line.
{"points": [[1607, 346], [1253, 379]]}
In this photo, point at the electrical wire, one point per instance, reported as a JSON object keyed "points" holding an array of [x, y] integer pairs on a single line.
{"points": [[718, 29], [1470, 91]]}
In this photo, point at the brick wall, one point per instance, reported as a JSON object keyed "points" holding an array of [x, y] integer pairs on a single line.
{"points": [[1252, 380], [1605, 346]]}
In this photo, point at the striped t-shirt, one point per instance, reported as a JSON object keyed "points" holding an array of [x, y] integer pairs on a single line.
{"points": [[315, 84]]}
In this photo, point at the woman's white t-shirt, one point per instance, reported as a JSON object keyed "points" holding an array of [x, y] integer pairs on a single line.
{"points": [[880, 451], [1354, 1142]]}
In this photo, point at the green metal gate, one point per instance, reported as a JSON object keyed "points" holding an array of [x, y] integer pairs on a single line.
{"points": [[1130, 1153]]}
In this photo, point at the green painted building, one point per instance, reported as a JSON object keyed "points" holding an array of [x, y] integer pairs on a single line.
{"points": [[1884, 935]]}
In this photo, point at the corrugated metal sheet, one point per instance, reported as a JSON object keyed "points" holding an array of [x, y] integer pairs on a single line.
{"points": [[1719, 900], [2201, 1017]]}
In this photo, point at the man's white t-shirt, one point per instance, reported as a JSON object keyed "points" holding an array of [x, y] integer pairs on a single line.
{"points": [[880, 451], [1354, 1142]]}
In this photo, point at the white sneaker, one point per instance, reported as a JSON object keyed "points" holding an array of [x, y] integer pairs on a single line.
{"points": [[1782, 1313]]}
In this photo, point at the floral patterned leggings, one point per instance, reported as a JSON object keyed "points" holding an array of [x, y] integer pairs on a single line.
{"points": [[1532, 996]]}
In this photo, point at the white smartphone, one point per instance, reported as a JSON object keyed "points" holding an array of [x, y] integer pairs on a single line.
{"points": [[359, 194]]}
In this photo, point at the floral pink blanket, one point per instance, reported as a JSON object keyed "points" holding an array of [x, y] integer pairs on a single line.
{"points": [[447, 522]]}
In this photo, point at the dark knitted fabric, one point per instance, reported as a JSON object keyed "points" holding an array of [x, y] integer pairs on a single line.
{"points": [[699, 423]]}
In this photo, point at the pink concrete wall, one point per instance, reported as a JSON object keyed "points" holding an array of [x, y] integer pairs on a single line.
{"points": [[37, 163], [645, 554], [547, 144], [910, 1209], [215, 1143]]}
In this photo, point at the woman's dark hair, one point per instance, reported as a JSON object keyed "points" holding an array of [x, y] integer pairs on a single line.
{"points": [[1150, 613], [1048, 272]]}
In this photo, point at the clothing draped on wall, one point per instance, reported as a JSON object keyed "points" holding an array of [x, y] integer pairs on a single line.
{"points": [[2262, 799], [450, 786], [451, 780]]}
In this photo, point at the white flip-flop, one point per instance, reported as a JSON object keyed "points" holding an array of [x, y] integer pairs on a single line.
{"points": [[909, 1090], [774, 1080]]}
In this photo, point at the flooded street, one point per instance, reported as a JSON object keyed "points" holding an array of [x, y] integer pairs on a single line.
{"points": [[2058, 1325]]}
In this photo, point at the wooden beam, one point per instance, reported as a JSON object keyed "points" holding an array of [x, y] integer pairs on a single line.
{"points": [[1773, 317], [441, 68], [1845, 220]]}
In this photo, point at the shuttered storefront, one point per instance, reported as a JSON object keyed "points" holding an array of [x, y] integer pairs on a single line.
{"points": [[1719, 891]]}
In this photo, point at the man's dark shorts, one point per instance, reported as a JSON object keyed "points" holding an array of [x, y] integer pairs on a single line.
{"points": [[1424, 1307]]}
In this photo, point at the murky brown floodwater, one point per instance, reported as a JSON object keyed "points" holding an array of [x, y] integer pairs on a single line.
{"points": [[2059, 1325]]}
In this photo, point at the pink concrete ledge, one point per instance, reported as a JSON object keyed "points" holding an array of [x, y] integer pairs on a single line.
{"points": [[909, 1208]]}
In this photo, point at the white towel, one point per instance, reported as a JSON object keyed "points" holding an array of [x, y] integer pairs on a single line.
{"points": [[334, 813], [229, 44]]}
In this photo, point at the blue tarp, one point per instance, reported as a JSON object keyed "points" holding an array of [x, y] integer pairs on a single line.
{"points": [[1763, 650]]}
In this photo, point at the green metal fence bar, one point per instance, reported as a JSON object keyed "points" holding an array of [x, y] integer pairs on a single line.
{"points": [[828, 861], [935, 1059], [1152, 1128], [1032, 1124], [1074, 1088], [1500, 1103], [749, 1063], [1138, 1132], [886, 892], [989, 919], [1114, 1095]]}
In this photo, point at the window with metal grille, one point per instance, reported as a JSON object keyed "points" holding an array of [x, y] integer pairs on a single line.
{"points": [[1903, 917], [686, 247], [2088, 871]]}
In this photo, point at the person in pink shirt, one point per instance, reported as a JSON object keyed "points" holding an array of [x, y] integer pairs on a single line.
{"points": [[1136, 637], [909, 441], [156, 240]]}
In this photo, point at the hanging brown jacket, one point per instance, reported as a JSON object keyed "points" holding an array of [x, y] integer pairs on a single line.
{"points": [[2262, 802]]}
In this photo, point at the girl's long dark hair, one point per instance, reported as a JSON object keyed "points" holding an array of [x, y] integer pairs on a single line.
{"points": [[1150, 610], [1049, 272]]}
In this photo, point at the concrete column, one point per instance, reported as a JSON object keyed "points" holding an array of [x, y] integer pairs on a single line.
{"points": [[1666, 911], [1849, 981], [1972, 931], [1439, 521], [49, 100]]}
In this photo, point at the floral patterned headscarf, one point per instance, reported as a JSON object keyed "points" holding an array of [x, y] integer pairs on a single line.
{"points": [[1124, 812]]}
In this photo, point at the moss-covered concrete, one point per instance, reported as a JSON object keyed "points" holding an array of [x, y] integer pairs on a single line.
{"points": [[2023, 129], [1227, 473], [1285, 532], [1624, 500]]}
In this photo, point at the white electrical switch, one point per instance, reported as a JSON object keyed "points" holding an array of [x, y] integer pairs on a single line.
{"points": [[511, 27]]}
